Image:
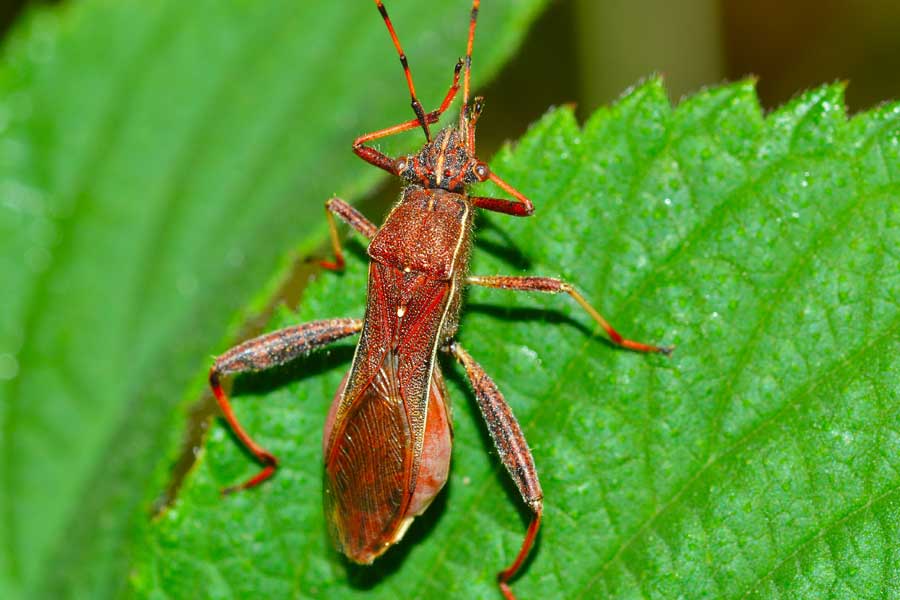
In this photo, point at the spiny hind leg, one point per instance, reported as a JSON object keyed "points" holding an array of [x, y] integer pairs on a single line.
{"points": [[511, 448]]}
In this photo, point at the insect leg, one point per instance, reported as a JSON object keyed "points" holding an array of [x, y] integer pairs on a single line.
{"points": [[380, 160], [520, 207], [263, 352], [353, 218], [512, 449], [551, 285]]}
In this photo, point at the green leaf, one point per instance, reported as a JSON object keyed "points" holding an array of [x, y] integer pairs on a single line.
{"points": [[158, 161], [762, 460]]}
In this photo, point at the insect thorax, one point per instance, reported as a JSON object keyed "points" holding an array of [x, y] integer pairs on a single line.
{"points": [[426, 232]]}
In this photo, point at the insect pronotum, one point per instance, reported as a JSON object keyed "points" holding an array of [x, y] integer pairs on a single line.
{"points": [[388, 435]]}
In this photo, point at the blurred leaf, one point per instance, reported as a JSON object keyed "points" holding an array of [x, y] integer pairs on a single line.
{"points": [[761, 460], [157, 161]]}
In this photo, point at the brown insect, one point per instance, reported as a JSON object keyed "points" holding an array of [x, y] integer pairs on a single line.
{"points": [[388, 434]]}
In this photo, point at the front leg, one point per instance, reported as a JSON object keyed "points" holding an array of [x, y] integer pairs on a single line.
{"points": [[551, 285], [375, 157], [520, 207], [511, 448], [263, 352]]}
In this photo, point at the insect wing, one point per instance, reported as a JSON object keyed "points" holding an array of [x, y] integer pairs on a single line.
{"points": [[375, 446], [368, 469]]}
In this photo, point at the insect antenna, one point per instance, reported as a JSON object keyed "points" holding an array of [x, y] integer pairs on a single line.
{"points": [[416, 105], [467, 74]]}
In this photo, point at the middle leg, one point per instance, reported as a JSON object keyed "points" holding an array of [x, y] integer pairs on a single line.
{"points": [[552, 285]]}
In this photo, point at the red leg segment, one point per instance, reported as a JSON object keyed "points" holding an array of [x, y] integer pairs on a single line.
{"points": [[554, 286], [521, 207], [513, 452], [502, 205], [267, 351]]}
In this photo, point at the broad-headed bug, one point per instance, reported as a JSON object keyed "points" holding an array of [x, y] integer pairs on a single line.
{"points": [[388, 434]]}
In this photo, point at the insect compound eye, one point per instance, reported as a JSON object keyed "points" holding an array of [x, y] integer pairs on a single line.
{"points": [[401, 165], [482, 171]]}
